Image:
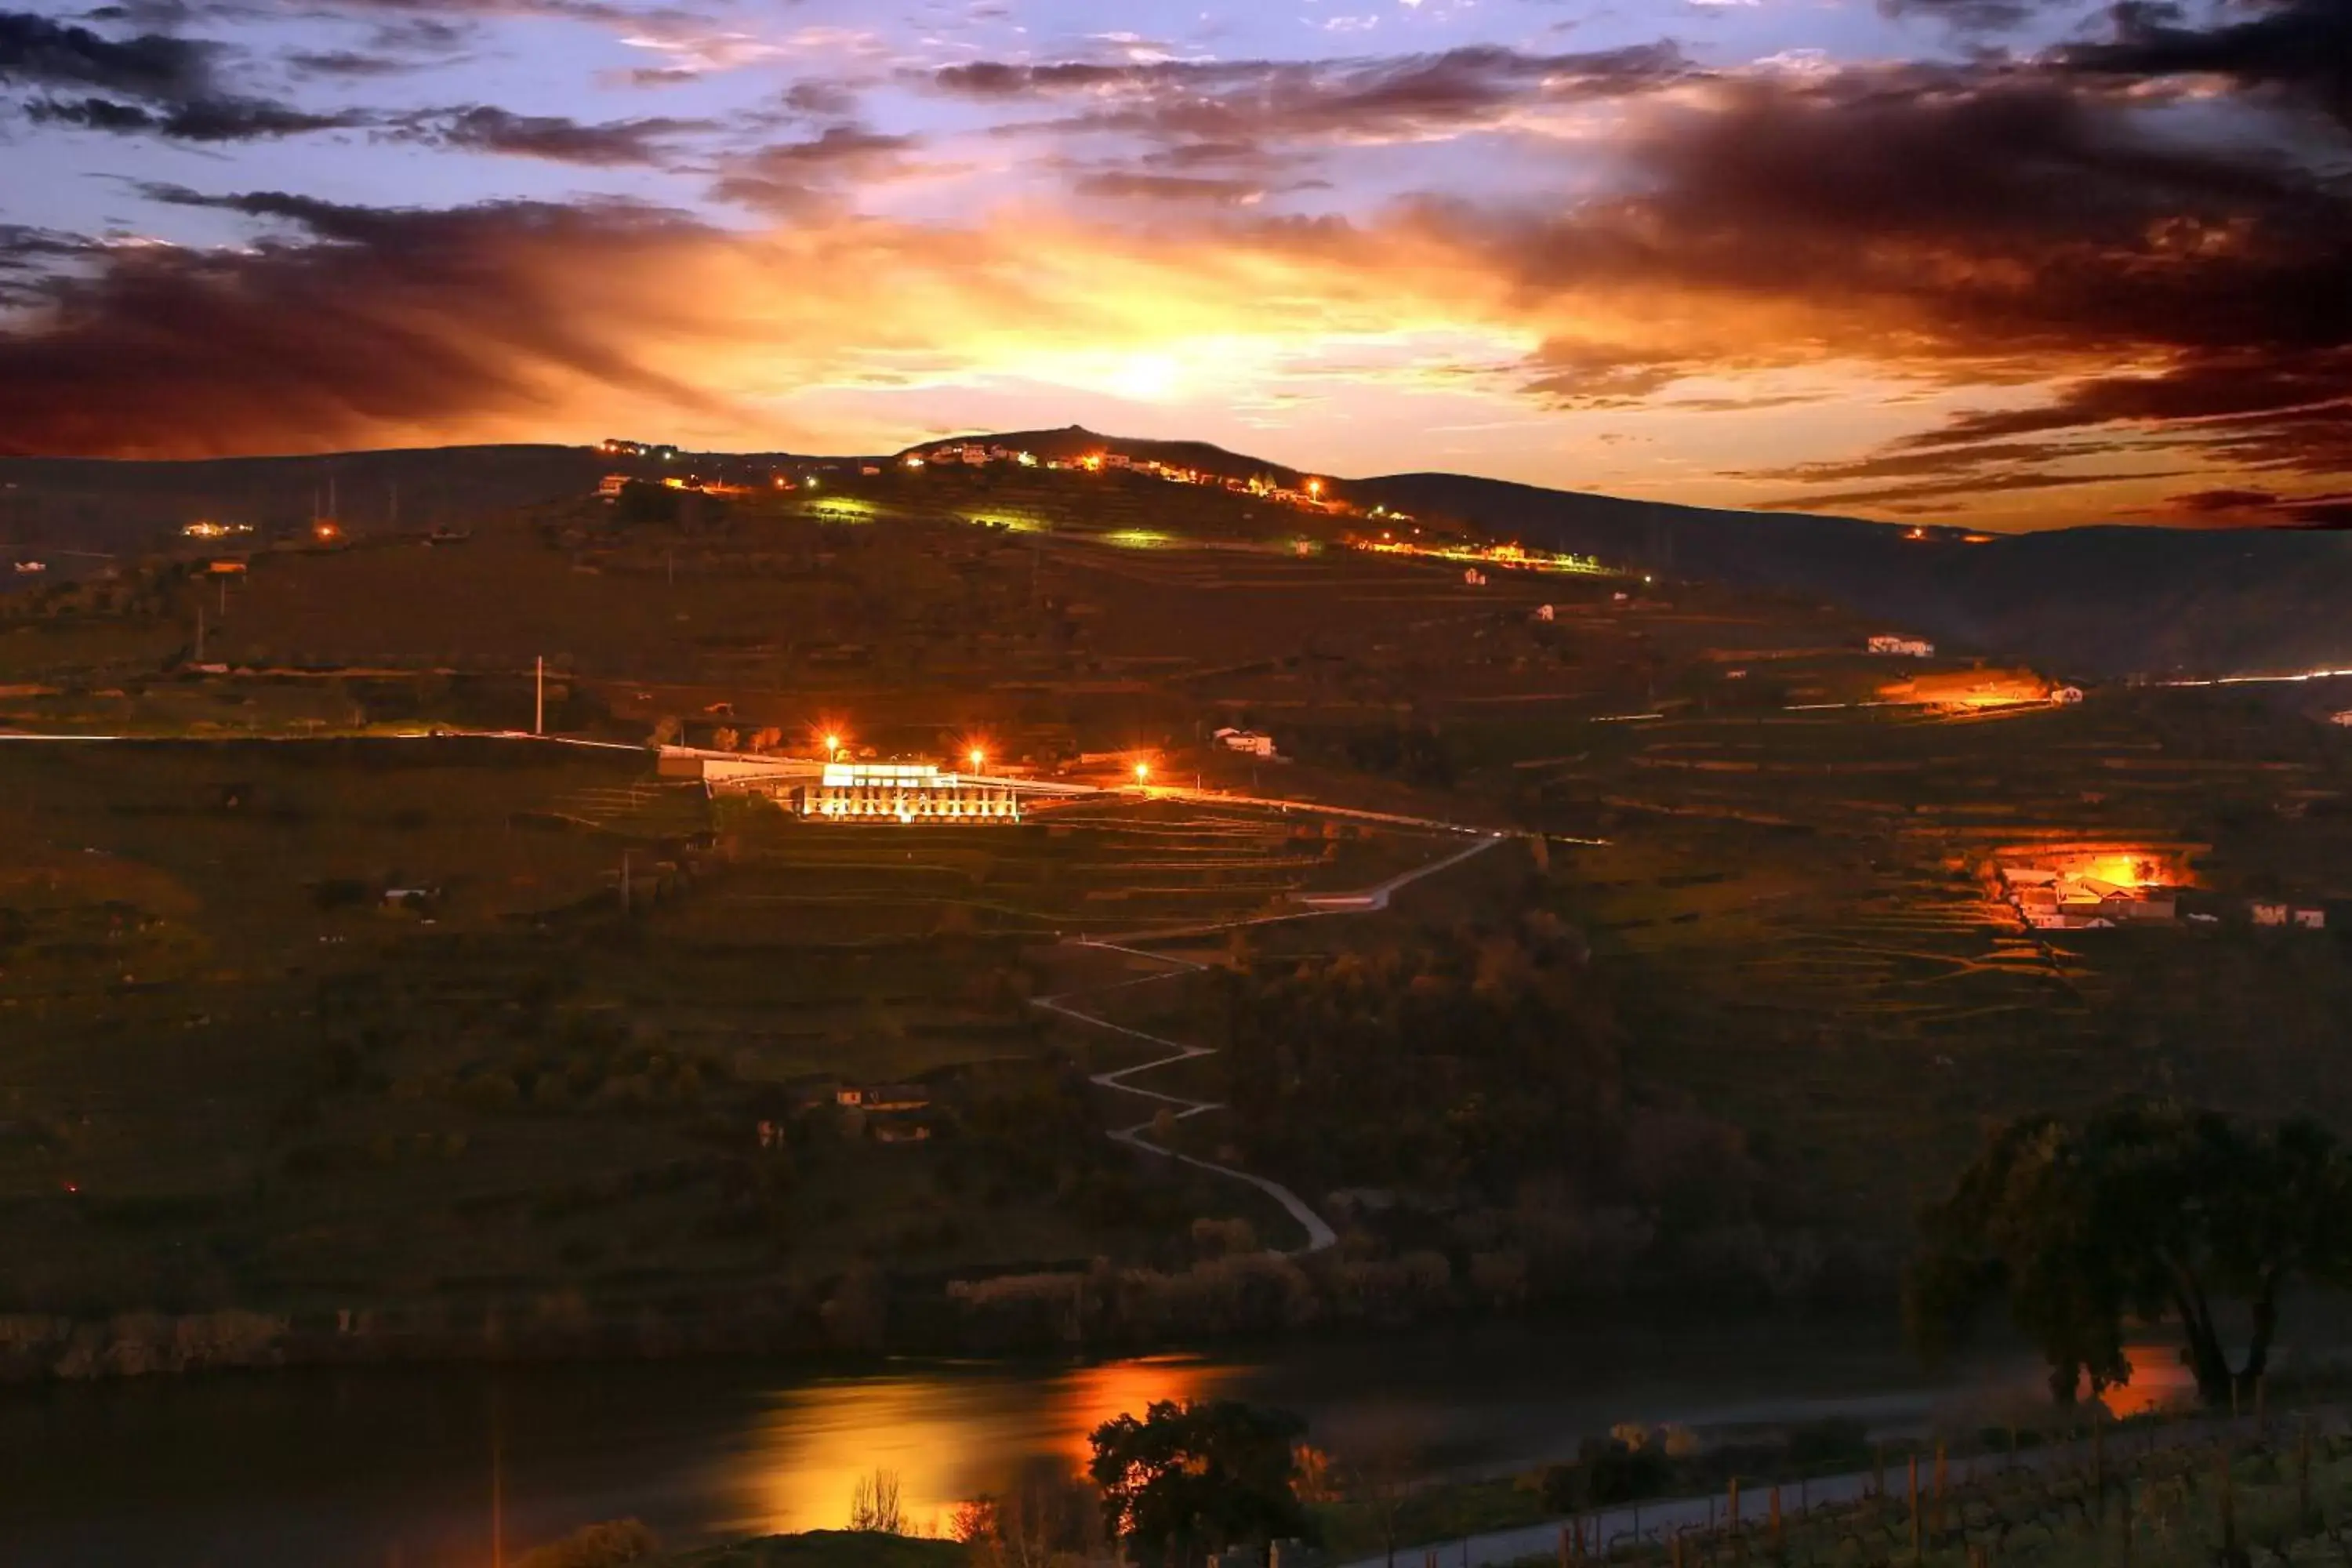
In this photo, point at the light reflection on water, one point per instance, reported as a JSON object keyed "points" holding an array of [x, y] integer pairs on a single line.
{"points": [[947, 1440], [359, 1469]]}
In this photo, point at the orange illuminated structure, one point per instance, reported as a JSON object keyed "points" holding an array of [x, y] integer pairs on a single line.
{"points": [[906, 793], [2085, 885], [1515, 556]]}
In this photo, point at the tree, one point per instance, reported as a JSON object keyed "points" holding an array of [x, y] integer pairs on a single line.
{"points": [[1192, 1479], [641, 502], [1045, 1515], [2136, 1213], [874, 1504], [606, 1545]]}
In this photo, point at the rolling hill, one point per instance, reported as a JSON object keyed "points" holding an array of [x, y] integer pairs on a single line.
{"points": [[2097, 602]]}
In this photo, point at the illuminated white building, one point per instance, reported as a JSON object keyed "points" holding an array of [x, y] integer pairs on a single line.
{"points": [[906, 791]]}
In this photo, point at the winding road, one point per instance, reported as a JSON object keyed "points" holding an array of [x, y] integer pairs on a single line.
{"points": [[1320, 1233]]}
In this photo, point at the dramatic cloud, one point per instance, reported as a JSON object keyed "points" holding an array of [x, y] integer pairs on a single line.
{"points": [[483, 128], [369, 322], [801, 179], [1967, 15], [1227, 101], [2102, 279], [2302, 46], [153, 66], [205, 119], [172, 78], [1124, 186]]}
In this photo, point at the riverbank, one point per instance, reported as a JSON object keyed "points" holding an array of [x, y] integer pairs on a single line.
{"points": [[342, 1467]]}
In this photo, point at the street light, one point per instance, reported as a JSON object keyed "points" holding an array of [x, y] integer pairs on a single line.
{"points": [[976, 757], [832, 747], [1142, 772]]}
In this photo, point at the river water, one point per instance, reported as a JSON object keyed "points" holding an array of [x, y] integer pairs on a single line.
{"points": [[399, 1467]]}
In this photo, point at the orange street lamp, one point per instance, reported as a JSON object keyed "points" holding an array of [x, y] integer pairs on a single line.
{"points": [[976, 756], [1142, 772], [832, 747]]}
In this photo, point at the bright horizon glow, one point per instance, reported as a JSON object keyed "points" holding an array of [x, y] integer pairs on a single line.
{"points": [[1660, 256]]}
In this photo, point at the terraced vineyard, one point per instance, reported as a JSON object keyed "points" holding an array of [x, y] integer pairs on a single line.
{"points": [[1091, 868], [2242, 1494]]}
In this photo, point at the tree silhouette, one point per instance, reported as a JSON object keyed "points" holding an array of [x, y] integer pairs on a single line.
{"points": [[1193, 1478], [2140, 1212]]}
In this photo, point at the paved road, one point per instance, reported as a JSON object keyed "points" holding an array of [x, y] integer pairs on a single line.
{"points": [[1658, 1520], [1320, 1233]]}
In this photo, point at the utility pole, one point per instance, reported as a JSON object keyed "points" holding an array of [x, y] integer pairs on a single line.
{"points": [[538, 705], [625, 881], [200, 631], [498, 1490]]}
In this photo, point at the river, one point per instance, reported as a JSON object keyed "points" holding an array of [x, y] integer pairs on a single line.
{"points": [[396, 1467]]}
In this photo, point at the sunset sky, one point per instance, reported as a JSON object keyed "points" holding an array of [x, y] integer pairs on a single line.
{"points": [[2001, 262]]}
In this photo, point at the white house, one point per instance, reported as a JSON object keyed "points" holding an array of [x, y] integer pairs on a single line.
{"points": [[1902, 646], [1249, 741]]}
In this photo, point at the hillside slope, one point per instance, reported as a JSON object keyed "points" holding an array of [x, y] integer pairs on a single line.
{"points": [[2105, 601], [2097, 602]]}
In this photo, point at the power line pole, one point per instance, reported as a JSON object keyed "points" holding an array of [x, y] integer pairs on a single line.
{"points": [[539, 706], [200, 631]]}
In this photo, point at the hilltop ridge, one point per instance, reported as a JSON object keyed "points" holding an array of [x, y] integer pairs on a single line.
{"points": [[2100, 601]]}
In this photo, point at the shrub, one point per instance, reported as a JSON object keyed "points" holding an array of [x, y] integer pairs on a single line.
{"points": [[606, 1545]]}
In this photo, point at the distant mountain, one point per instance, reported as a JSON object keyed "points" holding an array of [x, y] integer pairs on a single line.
{"points": [[2102, 601]]}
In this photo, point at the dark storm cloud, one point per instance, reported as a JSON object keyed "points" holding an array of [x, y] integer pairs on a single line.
{"points": [[482, 128], [369, 317], [2302, 46], [169, 82], [1253, 100], [1976, 225], [205, 119], [153, 66]]}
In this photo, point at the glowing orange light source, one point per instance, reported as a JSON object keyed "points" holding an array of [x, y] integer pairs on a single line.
{"points": [[322, 528], [1142, 772], [976, 757], [1314, 486]]}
